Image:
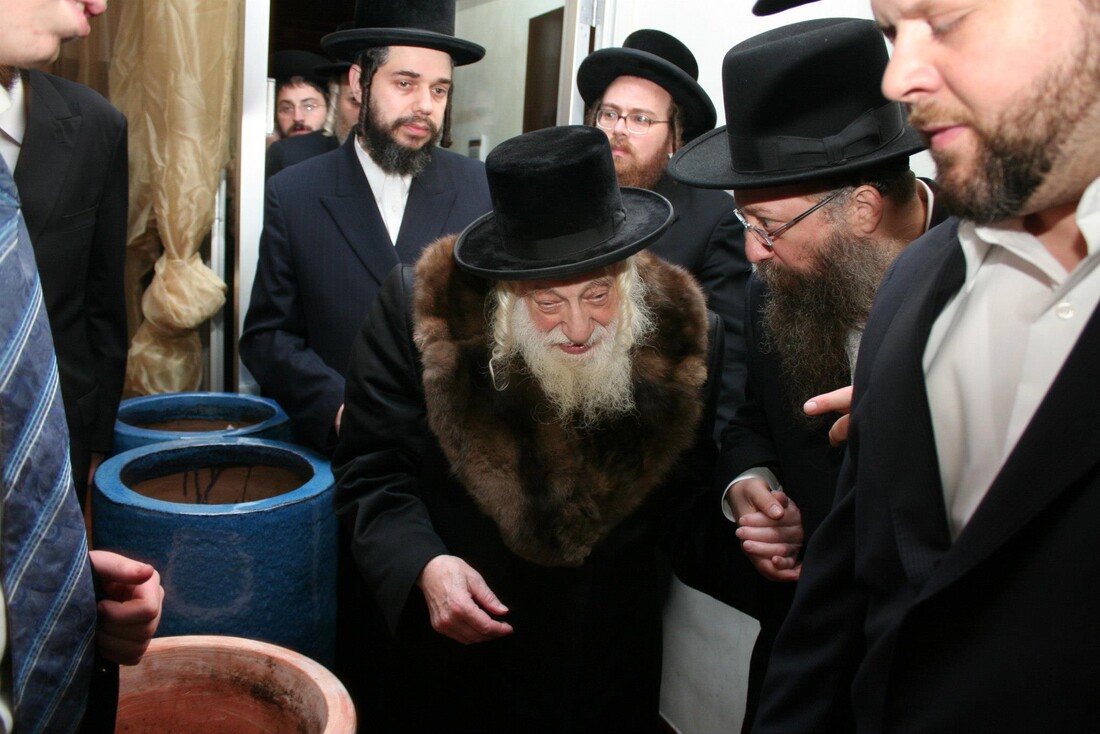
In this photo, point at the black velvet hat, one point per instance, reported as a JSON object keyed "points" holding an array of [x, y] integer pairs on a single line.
{"points": [[663, 60], [770, 7], [803, 103], [291, 63], [332, 69], [423, 23], [558, 209]]}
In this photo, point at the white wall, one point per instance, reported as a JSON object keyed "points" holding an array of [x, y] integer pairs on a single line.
{"points": [[489, 94]]}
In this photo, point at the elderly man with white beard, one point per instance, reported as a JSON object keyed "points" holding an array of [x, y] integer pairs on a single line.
{"points": [[527, 423]]}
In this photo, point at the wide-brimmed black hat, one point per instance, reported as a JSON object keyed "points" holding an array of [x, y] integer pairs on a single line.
{"points": [[770, 7], [558, 209], [423, 23], [803, 103], [663, 60], [285, 65]]}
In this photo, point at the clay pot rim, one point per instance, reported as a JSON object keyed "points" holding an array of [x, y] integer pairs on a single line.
{"points": [[108, 477], [338, 704], [149, 402]]}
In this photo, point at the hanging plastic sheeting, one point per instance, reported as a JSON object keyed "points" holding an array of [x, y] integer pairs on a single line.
{"points": [[174, 75]]}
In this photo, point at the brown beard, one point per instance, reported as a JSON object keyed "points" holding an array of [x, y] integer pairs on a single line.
{"points": [[7, 76], [809, 316], [633, 170], [1025, 143]]}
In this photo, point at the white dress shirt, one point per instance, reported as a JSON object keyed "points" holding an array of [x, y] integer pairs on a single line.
{"points": [[13, 123], [995, 349], [391, 192]]}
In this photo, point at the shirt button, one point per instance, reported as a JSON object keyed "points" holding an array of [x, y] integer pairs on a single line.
{"points": [[1064, 310]]}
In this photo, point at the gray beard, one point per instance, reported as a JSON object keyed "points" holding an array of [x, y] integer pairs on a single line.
{"points": [[808, 317]]}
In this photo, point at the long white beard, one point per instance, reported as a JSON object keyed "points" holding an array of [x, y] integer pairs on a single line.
{"points": [[588, 387]]}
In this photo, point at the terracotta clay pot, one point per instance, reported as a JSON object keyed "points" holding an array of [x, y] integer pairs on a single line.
{"points": [[185, 416], [241, 530], [229, 685]]}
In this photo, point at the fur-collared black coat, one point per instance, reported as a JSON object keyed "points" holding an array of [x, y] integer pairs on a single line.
{"points": [[563, 524]]}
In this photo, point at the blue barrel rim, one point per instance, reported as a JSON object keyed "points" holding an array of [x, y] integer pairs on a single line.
{"points": [[108, 478], [147, 402]]}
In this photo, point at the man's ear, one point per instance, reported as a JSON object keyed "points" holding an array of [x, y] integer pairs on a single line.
{"points": [[867, 208], [354, 73]]}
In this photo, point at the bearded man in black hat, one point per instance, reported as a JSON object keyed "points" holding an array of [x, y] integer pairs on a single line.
{"points": [[336, 224], [526, 425], [646, 98], [818, 161], [341, 119], [301, 103]]}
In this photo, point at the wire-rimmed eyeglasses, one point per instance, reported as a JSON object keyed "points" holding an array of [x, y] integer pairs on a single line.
{"points": [[767, 237], [636, 122]]}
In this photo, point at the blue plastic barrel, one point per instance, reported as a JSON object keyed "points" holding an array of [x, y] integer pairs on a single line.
{"points": [[263, 569], [229, 415]]}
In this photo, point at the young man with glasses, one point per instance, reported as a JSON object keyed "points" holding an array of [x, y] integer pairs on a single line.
{"points": [[818, 162], [645, 98]]}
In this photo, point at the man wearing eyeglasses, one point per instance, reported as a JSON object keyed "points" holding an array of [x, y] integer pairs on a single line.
{"points": [[818, 161], [646, 98], [300, 97]]}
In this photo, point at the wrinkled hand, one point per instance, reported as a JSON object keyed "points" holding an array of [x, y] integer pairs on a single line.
{"points": [[129, 611], [460, 602], [769, 527], [837, 401]]}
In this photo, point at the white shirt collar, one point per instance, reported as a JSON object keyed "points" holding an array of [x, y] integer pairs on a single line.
{"points": [[391, 191], [13, 121]]}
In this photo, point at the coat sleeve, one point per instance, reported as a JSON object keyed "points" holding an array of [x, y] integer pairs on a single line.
{"points": [[106, 299], [746, 439], [724, 275], [377, 463], [274, 345]]}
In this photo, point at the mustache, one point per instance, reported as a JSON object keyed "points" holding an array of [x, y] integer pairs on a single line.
{"points": [[557, 337], [299, 126], [619, 140], [415, 120]]}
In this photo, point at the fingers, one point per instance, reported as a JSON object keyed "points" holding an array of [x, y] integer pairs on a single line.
{"points": [[460, 602], [129, 616], [754, 495], [114, 569], [838, 434], [837, 401], [783, 571]]}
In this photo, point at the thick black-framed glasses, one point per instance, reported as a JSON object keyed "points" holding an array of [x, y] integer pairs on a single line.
{"points": [[767, 237], [636, 122]]}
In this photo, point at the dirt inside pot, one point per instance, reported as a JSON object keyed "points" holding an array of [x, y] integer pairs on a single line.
{"points": [[197, 425], [221, 485]]}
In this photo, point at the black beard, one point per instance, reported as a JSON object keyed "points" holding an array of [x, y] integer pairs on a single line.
{"points": [[390, 155], [808, 317]]}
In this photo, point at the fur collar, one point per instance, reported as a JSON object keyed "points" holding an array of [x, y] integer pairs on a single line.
{"points": [[555, 490]]}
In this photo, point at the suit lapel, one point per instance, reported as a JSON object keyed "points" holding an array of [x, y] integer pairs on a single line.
{"points": [[1065, 427], [900, 408], [356, 215], [426, 213], [49, 141]]}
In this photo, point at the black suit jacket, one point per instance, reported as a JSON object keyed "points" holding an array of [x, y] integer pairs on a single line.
{"points": [[708, 241], [72, 177], [324, 254], [288, 151], [897, 628]]}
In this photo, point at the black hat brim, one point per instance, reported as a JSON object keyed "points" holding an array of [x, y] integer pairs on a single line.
{"points": [[347, 44], [706, 163], [480, 249], [771, 7], [604, 66]]}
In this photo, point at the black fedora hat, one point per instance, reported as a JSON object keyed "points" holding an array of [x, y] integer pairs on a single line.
{"points": [[803, 103], [332, 69], [663, 60], [770, 7], [285, 65], [423, 23], [558, 209]]}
